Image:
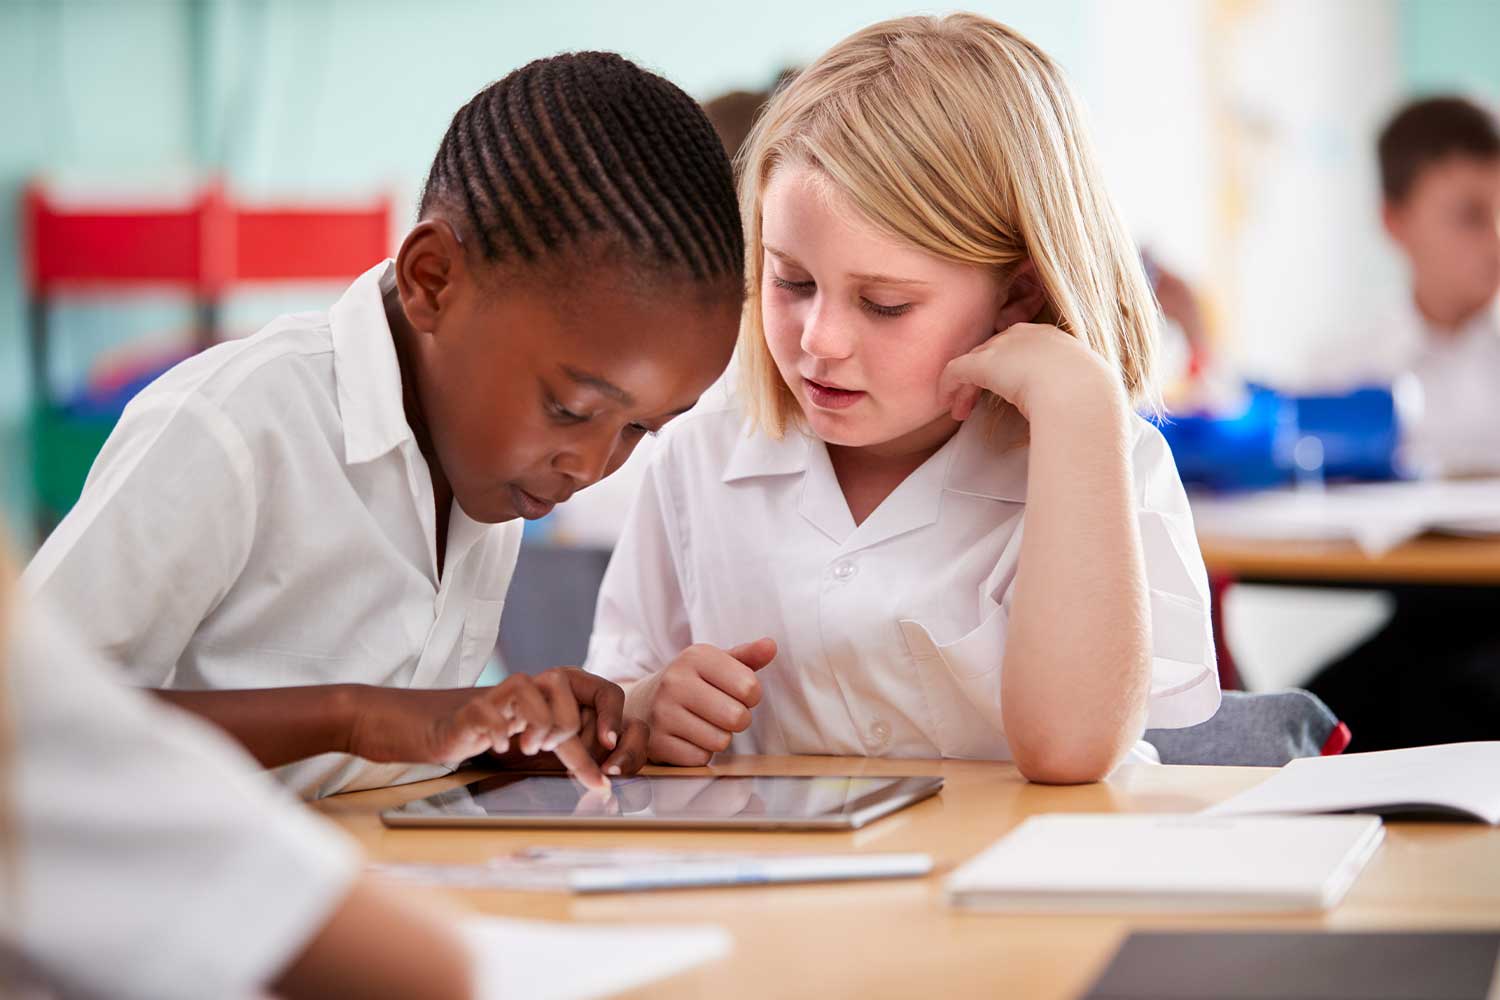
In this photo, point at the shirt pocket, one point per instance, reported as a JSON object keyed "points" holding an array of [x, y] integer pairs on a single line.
{"points": [[976, 653], [961, 681], [481, 632]]}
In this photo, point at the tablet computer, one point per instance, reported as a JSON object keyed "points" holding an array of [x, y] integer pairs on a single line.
{"points": [[654, 801]]}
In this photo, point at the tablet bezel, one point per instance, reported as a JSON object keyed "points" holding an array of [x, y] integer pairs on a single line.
{"points": [[908, 789]]}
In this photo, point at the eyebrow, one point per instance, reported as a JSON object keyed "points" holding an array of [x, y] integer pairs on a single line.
{"points": [[874, 279], [600, 385]]}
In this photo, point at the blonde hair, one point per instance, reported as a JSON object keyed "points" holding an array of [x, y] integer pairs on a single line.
{"points": [[960, 137]]}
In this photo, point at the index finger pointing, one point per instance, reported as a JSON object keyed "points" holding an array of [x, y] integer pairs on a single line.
{"points": [[578, 762]]}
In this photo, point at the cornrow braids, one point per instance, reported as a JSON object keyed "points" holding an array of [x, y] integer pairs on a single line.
{"points": [[584, 151]]}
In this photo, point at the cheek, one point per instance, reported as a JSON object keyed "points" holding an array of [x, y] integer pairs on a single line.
{"points": [[914, 358], [783, 331]]}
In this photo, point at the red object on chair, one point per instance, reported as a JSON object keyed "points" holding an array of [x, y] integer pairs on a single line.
{"points": [[1229, 673], [1337, 742]]}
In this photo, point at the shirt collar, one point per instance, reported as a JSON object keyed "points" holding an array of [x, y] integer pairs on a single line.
{"points": [[970, 463], [366, 372]]}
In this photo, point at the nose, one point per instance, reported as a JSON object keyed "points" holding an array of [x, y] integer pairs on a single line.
{"points": [[588, 459], [824, 336]]}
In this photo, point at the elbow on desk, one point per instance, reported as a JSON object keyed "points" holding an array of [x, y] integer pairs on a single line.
{"points": [[1055, 762]]}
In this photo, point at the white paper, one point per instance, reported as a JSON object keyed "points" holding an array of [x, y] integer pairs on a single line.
{"points": [[1375, 516], [1462, 777], [614, 869], [536, 960]]}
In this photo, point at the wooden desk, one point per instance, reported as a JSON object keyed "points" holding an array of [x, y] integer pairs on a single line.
{"points": [[1432, 560], [900, 939]]}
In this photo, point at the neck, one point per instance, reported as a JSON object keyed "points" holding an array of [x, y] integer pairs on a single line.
{"points": [[408, 358], [404, 338], [867, 474]]}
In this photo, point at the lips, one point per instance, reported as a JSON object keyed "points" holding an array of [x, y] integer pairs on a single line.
{"points": [[529, 506], [830, 397]]}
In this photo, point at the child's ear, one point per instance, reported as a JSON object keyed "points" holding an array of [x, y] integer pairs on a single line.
{"points": [[1024, 296], [428, 266]]}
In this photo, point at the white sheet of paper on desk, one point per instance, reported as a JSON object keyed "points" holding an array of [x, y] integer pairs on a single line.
{"points": [[537, 960], [1375, 516], [615, 869]]}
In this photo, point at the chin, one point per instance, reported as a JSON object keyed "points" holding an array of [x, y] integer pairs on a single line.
{"points": [[845, 430], [492, 509]]}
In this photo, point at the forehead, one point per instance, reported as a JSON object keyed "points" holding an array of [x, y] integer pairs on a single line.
{"points": [[1459, 176], [805, 216], [662, 347], [802, 206]]}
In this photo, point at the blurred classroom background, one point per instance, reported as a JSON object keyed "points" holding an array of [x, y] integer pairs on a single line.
{"points": [[1238, 136]]}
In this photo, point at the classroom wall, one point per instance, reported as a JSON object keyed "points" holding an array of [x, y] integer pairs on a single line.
{"points": [[1234, 132]]}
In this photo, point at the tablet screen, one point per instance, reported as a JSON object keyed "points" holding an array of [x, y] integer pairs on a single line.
{"points": [[688, 799]]}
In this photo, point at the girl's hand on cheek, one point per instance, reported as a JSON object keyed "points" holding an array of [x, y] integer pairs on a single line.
{"points": [[1032, 366]]}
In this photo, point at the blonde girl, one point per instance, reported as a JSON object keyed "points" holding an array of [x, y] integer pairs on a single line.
{"points": [[928, 521]]}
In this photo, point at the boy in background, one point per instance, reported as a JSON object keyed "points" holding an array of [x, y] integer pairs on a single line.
{"points": [[1432, 674]]}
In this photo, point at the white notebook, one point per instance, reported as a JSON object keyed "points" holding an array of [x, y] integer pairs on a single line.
{"points": [[1455, 779], [1067, 862]]}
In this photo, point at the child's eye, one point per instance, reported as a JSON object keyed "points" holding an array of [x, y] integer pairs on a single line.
{"points": [[562, 414], [888, 311], [801, 287]]}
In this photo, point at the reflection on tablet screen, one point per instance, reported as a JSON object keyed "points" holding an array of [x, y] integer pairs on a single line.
{"points": [[777, 797]]}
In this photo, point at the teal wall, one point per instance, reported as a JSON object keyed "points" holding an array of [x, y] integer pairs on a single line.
{"points": [[1450, 45], [321, 98]]}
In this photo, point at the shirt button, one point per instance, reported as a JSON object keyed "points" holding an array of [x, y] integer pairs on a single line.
{"points": [[844, 570], [880, 735]]}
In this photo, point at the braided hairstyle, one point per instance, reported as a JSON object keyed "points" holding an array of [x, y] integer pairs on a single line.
{"points": [[587, 158]]}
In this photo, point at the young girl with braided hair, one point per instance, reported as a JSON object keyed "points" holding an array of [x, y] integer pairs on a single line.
{"points": [[306, 536]]}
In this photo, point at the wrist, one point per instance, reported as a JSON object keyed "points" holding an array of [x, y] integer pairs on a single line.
{"points": [[349, 711], [1091, 393], [640, 694]]}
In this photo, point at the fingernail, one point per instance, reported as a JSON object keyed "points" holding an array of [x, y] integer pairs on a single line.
{"points": [[611, 738], [613, 769]]}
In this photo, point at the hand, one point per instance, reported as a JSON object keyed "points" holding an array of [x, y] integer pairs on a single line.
{"points": [[529, 715], [702, 699], [618, 744], [1027, 365]]}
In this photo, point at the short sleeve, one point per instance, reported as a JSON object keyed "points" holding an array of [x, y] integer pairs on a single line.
{"points": [[154, 859], [1184, 668], [641, 623], [161, 532]]}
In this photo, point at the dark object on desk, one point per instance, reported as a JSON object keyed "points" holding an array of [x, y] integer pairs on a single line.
{"points": [[1300, 966], [1255, 730]]}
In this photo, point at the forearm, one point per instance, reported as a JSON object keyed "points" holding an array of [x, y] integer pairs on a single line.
{"points": [[1077, 660], [282, 725], [377, 945]]}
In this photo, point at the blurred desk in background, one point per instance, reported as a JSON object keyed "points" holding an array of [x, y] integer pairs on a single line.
{"points": [[1431, 560]]}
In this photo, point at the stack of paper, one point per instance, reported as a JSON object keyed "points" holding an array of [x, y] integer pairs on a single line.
{"points": [[1071, 862]]}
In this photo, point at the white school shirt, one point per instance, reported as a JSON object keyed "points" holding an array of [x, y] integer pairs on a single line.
{"points": [[262, 517], [890, 634], [1449, 384], [152, 858]]}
